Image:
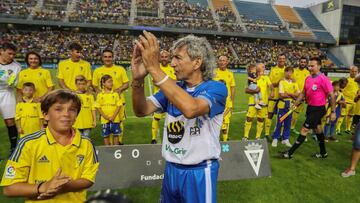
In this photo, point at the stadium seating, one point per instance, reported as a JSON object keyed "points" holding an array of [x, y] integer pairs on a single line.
{"points": [[309, 18], [287, 14], [325, 36], [16, 8], [303, 34], [54, 10], [258, 12]]}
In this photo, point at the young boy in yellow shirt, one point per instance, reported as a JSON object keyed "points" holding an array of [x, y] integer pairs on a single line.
{"points": [[56, 164], [87, 116], [28, 116], [108, 103]]}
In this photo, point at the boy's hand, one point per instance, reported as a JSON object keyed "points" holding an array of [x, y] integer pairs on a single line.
{"points": [[52, 187]]}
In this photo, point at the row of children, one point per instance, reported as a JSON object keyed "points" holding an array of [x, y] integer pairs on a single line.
{"points": [[29, 117]]}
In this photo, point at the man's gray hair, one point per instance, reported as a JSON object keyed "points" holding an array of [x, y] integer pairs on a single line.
{"points": [[199, 47]]}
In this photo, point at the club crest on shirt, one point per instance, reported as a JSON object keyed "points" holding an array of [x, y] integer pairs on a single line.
{"points": [[10, 172], [175, 131], [314, 87], [10, 72]]}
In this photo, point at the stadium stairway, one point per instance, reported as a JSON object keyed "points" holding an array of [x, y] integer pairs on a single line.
{"points": [[132, 12], [38, 5], [70, 8], [215, 16], [283, 21], [309, 18], [238, 17]]}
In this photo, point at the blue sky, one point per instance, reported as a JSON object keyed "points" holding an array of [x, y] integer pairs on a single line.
{"points": [[297, 3]]}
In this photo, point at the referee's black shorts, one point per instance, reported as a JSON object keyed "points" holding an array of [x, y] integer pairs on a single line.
{"points": [[314, 115]]}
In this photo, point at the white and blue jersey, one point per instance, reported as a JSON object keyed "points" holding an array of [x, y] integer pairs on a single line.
{"points": [[191, 147], [191, 141]]}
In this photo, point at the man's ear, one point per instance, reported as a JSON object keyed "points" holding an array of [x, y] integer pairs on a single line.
{"points": [[197, 63]]}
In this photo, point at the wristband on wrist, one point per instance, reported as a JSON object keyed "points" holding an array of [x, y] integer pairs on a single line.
{"points": [[162, 81], [136, 84], [38, 188]]}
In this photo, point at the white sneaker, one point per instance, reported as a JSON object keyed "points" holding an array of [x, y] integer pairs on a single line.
{"points": [[257, 106], [274, 143], [286, 142]]}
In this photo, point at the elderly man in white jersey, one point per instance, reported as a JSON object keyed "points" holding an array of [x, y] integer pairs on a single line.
{"points": [[9, 71], [194, 106]]}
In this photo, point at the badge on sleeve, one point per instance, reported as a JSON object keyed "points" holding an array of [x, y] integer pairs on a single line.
{"points": [[10, 172]]}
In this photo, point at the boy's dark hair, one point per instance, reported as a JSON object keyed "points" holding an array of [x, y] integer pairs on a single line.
{"points": [[34, 53], [108, 50], [75, 46], [289, 68], [343, 82], [61, 96], [8, 45], [317, 59], [250, 66], [29, 84], [80, 78], [104, 78], [336, 83]]}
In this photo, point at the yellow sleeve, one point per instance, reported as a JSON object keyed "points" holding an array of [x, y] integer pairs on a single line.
{"points": [[119, 101], [232, 83], [41, 115], [97, 102], [21, 80], [95, 80], [124, 77], [91, 163], [18, 111], [297, 89], [281, 87], [92, 102], [60, 73], [18, 166], [49, 82], [88, 71]]}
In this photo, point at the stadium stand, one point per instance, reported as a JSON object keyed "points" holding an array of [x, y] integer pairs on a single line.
{"points": [[16, 8], [309, 18], [54, 10], [91, 11], [325, 36], [257, 13], [303, 34]]}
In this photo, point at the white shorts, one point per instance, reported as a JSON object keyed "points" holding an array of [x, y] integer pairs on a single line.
{"points": [[7, 104]]}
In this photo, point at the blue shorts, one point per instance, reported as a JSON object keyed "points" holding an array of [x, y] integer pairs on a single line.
{"points": [[356, 142], [190, 183], [111, 128]]}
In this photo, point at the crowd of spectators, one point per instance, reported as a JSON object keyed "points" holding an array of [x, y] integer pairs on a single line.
{"points": [[93, 11], [147, 4], [16, 8], [181, 14], [149, 21], [47, 14], [226, 15], [52, 46]]}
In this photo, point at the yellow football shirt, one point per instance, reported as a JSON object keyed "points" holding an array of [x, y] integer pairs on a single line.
{"points": [[29, 113], [39, 76], [168, 70], [226, 77], [287, 86], [350, 90], [276, 74], [118, 74], [299, 76], [68, 70], [84, 119], [108, 103], [38, 157], [263, 83]]}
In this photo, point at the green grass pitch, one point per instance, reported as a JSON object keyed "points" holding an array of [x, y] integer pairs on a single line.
{"points": [[301, 179]]}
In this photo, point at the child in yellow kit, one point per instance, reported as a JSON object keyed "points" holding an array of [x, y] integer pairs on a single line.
{"points": [[108, 103], [87, 116], [28, 117]]}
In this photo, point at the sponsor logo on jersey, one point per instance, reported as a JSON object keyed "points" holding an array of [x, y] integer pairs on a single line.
{"points": [[175, 131], [175, 150], [314, 87], [254, 154]]}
